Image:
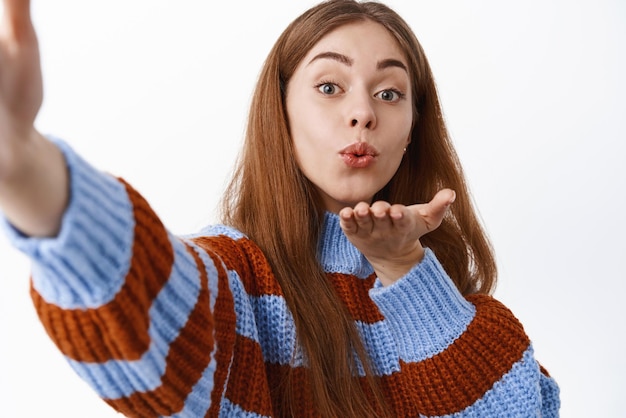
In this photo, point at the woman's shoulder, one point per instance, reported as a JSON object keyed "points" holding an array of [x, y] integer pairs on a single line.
{"points": [[217, 230], [240, 255]]}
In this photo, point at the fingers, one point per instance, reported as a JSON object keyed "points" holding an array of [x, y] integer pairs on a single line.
{"points": [[382, 217], [364, 219], [356, 219]]}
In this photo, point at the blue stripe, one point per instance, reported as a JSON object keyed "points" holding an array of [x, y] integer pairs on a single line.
{"points": [[276, 330], [381, 348], [90, 258], [245, 322], [277, 337], [337, 254], [115, 379], [424, 310], [230, 410], [210, 270], [83, 273], [516, 394], [216, 230], [101, 191]]}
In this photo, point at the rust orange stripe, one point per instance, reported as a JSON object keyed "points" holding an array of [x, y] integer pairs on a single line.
{"points": [[188, 356], [244, 257], [117, 330], [298, 382], [446, 383], [225, 319], [277, 375], [354, 293], [456, 378], [248, 386]]}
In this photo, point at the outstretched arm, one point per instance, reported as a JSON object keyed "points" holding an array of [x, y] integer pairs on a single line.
{"points": [[33, 175], [138, 312], [388, 235]]}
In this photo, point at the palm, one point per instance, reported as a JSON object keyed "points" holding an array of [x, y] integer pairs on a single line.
{"points": [[20, 74], [388, 236]]}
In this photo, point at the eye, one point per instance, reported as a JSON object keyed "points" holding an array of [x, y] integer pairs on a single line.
{"points": [[390, 95], [328, 88]]}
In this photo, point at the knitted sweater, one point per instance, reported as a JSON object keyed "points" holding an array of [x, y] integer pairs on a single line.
{"points": [[195, 326]]}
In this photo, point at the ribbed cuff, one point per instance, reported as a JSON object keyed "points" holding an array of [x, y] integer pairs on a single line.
{"points": [[424, 309], [85, 264]]}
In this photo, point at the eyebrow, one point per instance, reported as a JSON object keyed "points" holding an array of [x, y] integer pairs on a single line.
{"points": [[381, 65], [333, 56], [390, 63]]}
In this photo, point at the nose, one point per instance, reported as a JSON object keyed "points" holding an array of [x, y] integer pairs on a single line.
{"points": [[362, 114]]}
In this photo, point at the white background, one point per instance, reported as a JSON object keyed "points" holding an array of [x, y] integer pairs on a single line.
{"points": [[534, 95]]}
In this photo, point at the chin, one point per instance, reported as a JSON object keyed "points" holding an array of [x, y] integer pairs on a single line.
{"points": [[347, 196], [340, 202]]}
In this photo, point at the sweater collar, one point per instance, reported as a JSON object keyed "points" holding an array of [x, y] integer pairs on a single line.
{"points": [[337, 254]]}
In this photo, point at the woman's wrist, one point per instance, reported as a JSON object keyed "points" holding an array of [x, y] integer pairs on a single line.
{"points": [[390, 269], [35, 191]]}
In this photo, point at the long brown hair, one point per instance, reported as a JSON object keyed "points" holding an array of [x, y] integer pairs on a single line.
{"points": [[271, 201]]}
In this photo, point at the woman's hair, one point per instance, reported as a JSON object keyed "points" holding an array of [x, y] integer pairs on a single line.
{"points": [[275, 205]]}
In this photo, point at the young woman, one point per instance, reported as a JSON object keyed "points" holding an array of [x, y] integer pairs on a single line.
{"points": [[332, 289]]}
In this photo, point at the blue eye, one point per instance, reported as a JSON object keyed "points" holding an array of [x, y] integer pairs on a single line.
{"points": [[390, 95], [328, 88]]}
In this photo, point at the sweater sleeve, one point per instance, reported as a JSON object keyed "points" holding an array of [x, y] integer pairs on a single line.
{"points": [[466, 356], [146, 318]]}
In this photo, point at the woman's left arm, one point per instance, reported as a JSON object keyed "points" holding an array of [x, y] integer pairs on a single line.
{"points": [[466, 355]]}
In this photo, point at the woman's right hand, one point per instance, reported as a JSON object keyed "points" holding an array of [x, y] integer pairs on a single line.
{"points": [[21, 89], [33, 176]]}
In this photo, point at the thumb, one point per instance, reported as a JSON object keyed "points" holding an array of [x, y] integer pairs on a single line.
{"points": [[16, 18], [434, 211], [443, 198]]}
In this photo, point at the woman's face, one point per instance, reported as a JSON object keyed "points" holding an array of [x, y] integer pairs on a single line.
{"points": [[350, 113]]}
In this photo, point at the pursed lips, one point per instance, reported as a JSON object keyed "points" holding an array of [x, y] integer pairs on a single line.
{"points": [[358, 155]]}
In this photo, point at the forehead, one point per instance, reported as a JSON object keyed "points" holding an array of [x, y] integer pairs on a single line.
{"points": [[360, 41]]}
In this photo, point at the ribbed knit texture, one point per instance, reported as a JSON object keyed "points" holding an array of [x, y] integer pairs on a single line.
{"points": [[161, 325]]}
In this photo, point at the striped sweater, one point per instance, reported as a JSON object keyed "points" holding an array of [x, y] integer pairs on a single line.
{"points": [[196, 326]]}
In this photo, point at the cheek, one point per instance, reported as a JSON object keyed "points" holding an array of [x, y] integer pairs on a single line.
{"points": [[313, 130], [409, 125], [401, 126]]}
